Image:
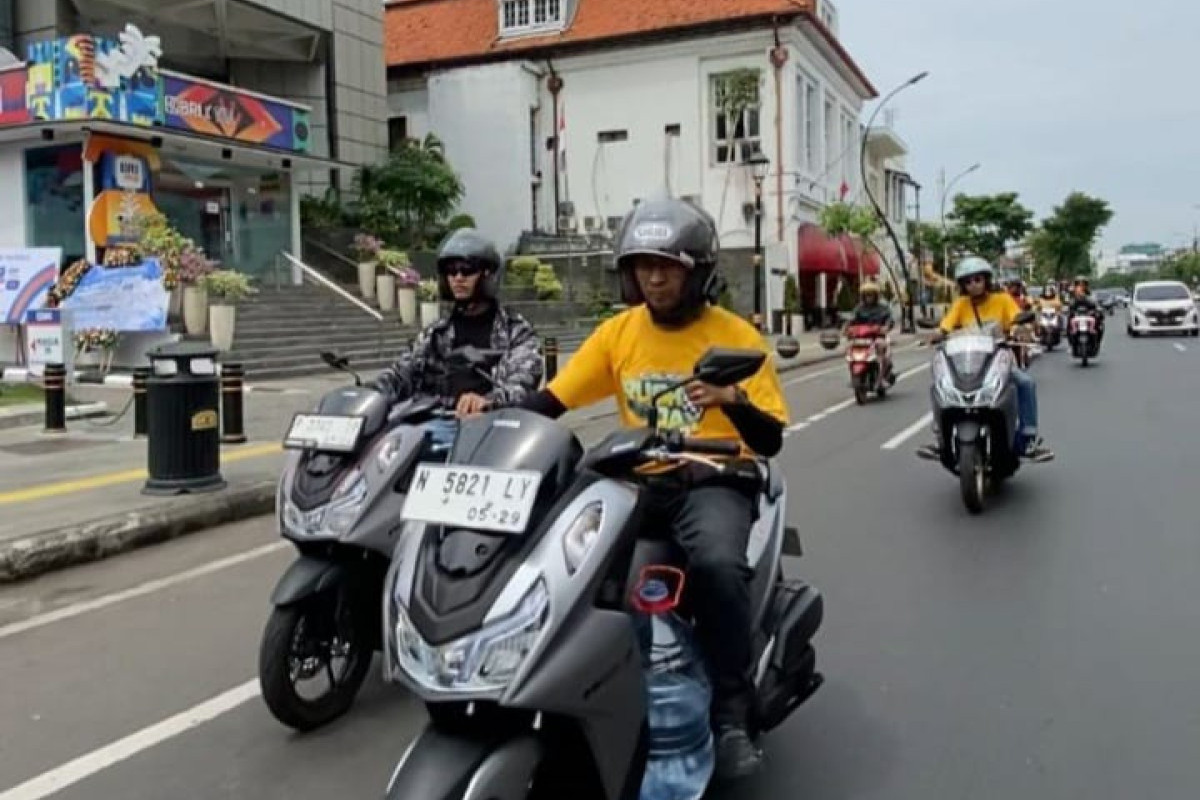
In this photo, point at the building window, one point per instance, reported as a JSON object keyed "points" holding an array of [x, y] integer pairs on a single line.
{"points": [[808, 110], [736, 126], [829, 16], [849, 142], [833, 152], [54, 211], [517, 16], [397, 132]]}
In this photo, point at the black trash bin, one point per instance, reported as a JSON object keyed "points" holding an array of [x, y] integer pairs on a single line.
{"points": [[183, 422]]}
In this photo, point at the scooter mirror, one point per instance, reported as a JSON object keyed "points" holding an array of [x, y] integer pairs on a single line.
{"points": [[1024, 318], [725, 366], [926, 324]]}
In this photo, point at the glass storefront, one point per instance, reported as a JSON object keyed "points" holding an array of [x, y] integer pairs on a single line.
{"points": [[239, 215], [54, 211]]}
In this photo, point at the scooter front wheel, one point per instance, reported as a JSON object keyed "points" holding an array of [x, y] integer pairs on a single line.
{"points": [[972, 480], [303, 642]]}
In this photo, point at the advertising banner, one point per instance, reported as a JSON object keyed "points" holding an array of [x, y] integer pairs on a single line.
{"points": [[122, 299], [26, 275], [224, 112]]}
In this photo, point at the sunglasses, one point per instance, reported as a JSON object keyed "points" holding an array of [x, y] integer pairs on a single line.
{"points": [[975, 279], [461, 269]]}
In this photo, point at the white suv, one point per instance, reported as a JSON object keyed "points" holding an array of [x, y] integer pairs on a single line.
{"points": [[1162, 307]]}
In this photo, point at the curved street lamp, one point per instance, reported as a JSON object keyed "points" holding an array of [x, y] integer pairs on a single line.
{"points": [[910, 323], [946, 187]]}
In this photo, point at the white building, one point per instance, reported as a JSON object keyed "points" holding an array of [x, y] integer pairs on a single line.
{"points": [[635, 89]]}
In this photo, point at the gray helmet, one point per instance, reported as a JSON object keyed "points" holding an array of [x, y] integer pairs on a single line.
{"points": [[470, 246], [971, 266], [677, 230]]}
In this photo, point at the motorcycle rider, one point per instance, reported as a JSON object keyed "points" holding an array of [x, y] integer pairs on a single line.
{"points": [[870, 311], [469, 270], [1048, 301], [1082, 303], [977, 306], [666, 256]]}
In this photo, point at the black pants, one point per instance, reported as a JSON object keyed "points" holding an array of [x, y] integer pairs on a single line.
{"points": [[712, 524]]}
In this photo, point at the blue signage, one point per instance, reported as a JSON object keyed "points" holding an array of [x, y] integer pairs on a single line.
{"points": [[120, 299]]}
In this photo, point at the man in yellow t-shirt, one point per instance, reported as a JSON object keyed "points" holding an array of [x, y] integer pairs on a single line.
{"points": [[976, 307], [666, 256]]}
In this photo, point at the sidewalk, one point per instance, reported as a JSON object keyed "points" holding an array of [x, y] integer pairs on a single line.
{"points": [[77, 498]]}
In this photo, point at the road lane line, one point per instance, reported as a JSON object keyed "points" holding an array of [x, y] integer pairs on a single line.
{"points": [[72, 772], [116, 478], [843, 405], [831, 370], [909, 432], [1181, 347], [149, 587]]}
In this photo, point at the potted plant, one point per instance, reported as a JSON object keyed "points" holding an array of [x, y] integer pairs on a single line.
{"points": [[194, 268], [791, 305], [157, 239], [431, 311], [407, 281], [366, 249], [94, 347], [392, 262], [226, 288]]}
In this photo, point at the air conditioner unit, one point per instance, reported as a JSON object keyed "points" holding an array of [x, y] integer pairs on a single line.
{"points": [[568, 224], [593, 224], [614, 223]]}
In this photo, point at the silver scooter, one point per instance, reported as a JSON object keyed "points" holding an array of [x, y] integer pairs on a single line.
{"points": [[508, 611], [339, 501]]}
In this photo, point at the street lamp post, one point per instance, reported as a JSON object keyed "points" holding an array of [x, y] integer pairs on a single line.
{"points": [[946, 193], [910, 322], [759, 164], [917, 245]]}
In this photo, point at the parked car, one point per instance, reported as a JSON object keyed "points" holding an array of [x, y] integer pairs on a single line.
{"points": [[1163, 307]]}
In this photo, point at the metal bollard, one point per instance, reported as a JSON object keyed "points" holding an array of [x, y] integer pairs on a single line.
{"points": [[55, 387], [550, 354], [233, 419], [140, 426]]}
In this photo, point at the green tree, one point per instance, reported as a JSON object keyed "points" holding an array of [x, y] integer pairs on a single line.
{"points": [[1062, 245], [1181, 267], [926, 238], [986, 224], [405, 199]]}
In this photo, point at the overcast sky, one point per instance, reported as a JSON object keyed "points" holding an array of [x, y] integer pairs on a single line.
{"points": [[1052, 96]]}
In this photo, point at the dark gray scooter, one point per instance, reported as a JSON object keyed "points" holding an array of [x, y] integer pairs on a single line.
{"points": [[339, 501], [507, 606]]}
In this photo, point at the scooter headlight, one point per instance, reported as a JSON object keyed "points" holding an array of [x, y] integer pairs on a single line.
{"points": [[334, 518], [582, 534], [483, 662], [995, 380], [943, 382]]}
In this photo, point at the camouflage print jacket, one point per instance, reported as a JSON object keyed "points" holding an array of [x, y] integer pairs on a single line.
{"points": [[518, 374]]}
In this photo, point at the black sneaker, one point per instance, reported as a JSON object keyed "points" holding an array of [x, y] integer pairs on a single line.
{"points": [[737, 756], [1037, 452], [930, 452]]}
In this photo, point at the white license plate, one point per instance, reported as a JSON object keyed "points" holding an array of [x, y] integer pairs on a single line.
{"points": [[322, 432], [472, 497]]}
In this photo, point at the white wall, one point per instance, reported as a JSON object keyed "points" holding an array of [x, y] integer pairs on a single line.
{"points": [[481, 113], [12, 213]]}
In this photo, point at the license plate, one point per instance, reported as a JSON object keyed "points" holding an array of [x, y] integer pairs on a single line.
{"points": [[472, 497], [323, 432]]}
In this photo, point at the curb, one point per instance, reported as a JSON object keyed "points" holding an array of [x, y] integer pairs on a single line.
{"points": [[38, 553], [33, 414], [21, 375]]}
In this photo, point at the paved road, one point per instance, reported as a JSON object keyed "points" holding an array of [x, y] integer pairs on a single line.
{"points": [[1047, 650]]}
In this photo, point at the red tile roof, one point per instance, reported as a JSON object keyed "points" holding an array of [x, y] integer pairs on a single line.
{"points": [[429, 32]]}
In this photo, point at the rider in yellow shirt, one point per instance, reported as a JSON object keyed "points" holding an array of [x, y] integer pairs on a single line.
{"points": [[667, 256], [977, 306]]}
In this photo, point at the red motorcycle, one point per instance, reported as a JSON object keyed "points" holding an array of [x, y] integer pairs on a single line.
{"points": [[867, 370]]}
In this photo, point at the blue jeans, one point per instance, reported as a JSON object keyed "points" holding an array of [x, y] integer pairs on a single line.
{"points": [[1027, 408]]}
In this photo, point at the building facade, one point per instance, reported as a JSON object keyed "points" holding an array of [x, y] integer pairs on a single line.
{"points": [[560, 115]]}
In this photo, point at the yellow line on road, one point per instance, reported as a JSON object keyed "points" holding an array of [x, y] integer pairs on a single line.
{"points": [[117, 478]]}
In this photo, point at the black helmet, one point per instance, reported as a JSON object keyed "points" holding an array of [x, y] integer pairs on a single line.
{"points": [[680, 231], [469, 245]]}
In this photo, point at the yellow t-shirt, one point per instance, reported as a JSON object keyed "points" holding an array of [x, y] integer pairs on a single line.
{"points": [[996, 307], [632, 358]]}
